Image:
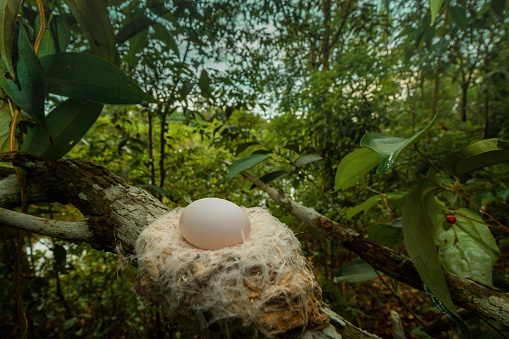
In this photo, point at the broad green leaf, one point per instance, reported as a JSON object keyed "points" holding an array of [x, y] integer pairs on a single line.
{"points": [[365, 206], [243, 146], [467, 247], [28, 93], [389, 147], [93, 18], [68, 123], [269, 177], [87, 77], [244, 164], [478, 155], [434, 7], [204, 82], [8, 13], [419, 225], [161, 33], [459, 17], [388, 235], [132, 27], [354, 166], [355, 271], [306, 159], [136, 44], [56, 38]]}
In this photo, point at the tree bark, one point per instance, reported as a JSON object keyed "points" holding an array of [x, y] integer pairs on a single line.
{"points": [[114, 215]]}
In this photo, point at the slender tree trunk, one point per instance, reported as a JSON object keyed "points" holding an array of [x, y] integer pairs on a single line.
{"points": [[151, 149], [464, 98], [434, 99]]}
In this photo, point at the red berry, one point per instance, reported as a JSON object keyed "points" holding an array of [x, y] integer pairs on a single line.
{"points": [[451, 219]]}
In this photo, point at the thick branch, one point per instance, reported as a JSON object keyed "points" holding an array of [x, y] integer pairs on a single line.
{"points": [[472, 295], [71, 231]]}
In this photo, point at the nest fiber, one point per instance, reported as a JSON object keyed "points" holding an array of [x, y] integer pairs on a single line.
{"points": [[263, 286]]}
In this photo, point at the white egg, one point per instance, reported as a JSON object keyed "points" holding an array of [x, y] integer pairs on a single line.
{"points": [[213, 223]]}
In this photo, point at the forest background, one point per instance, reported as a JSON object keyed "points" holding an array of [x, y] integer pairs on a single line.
{"points": [[286, 89]]}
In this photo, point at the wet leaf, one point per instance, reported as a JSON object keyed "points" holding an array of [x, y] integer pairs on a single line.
{"points": [[389, 147]]}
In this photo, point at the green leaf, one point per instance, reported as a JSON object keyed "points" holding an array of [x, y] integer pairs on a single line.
{"points": [[245, 163], [388, 235], [28, 92], [87, 77], [306, 159], [93, 19], [135, 46], [243, 146], [389, 147], [161, 33], [355, 271], [204, 82], [434, 7], [355, 166], [478, 155], [132, 27], [419, 225], [5, 121], [272, 176], [56, 38], [68, 123], [8, 13], [467, 247], [364, 207], [459, 17]]}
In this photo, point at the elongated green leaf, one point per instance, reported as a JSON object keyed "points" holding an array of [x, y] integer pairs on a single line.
{"points": [[68, 123], [478, 155], [5, 120], [204, 82], [459, 16], [93, 18], [244, 164], [419, 225], [307, 159], [365, 206], [389, 147], [272, 176], [435, 7], [467, 247], [161, 33], [135, 46], [28, 92], [8, 13], [243, 146], [56, 38], [132, 27], [355, 271], [355, 166], [87, 77]]}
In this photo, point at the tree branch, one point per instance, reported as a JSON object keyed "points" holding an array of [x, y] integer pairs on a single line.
{"points": [[71, 231], [482, 299]]}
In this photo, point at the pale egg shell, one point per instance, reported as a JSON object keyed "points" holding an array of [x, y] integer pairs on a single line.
{"points": [[213, 223]]}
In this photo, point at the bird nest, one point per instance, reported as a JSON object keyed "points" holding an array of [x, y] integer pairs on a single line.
{"points": [[264, 286]]}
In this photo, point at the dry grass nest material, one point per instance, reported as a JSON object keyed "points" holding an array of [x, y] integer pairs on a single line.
{"points": [[263, 286]]}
